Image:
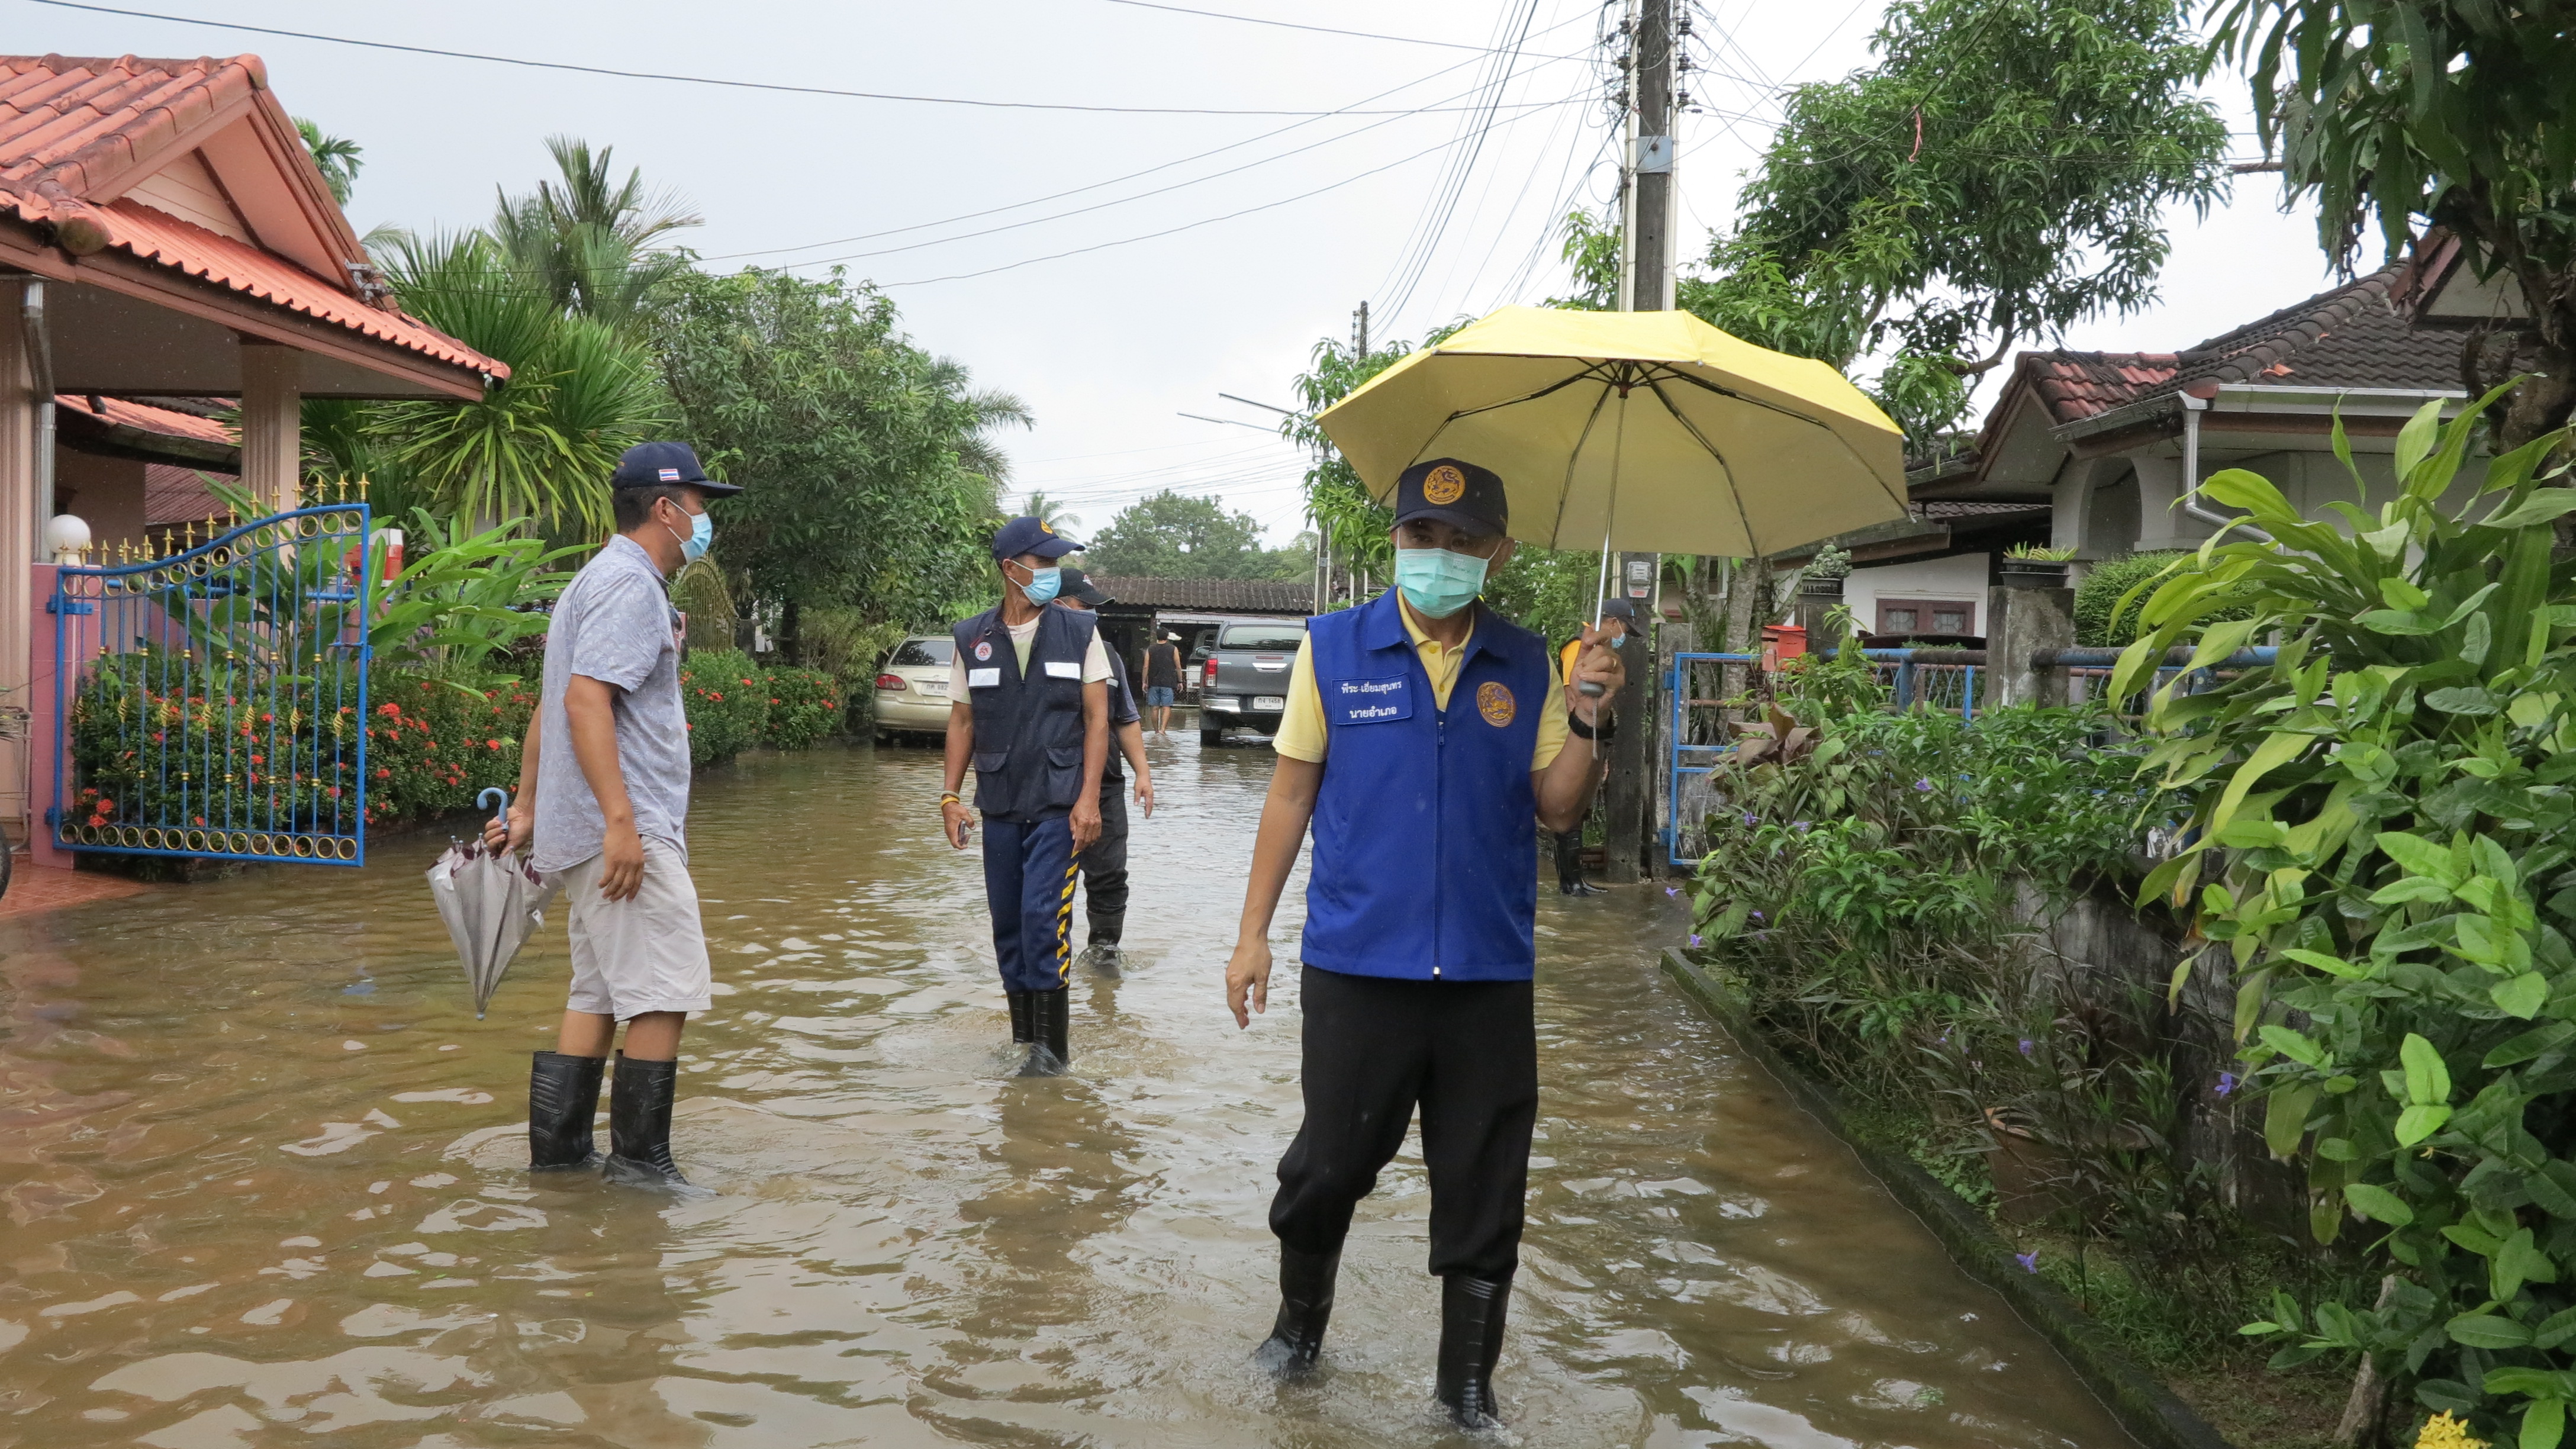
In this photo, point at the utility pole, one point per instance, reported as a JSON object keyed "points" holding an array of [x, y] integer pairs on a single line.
{"points": [[1628, 820], [1359, 331]]}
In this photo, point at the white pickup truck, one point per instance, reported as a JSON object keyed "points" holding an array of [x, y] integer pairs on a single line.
{"points": [[1245, 678]]}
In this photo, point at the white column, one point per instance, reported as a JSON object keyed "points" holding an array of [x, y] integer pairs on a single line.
{"points": [[17, 547], [2161, 522], [272, 423]]}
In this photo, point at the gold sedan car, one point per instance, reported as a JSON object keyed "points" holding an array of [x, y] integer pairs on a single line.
{"points": [[912, 687]]}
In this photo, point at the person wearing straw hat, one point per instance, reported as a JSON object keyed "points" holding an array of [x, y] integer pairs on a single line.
{"points": [[1033, 721], [1618, 621], [1423, 737], [605, 805]]}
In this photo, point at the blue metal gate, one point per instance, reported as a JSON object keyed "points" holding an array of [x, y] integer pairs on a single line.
{"points": [[214, 702]]}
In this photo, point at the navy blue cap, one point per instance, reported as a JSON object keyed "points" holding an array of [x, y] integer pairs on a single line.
{"points": [[655, 465], [1028, 535], [1454, 491], [1623, 609], [1078, 586]]}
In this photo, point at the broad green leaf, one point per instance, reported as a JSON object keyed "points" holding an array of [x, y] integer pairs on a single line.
{"points": [[2222, 639], [2428, 1081], [2529, 1382], [2292, 1045], [2485, 1330], [2285, 1119], [2331, 965], [2415, 440], [2543, 1424], [2378, 1204], [2521, 996], [2548, 506], [2277, 749], [2419, 856], [2463, 699], [2397, 593], [2528, 1045], [2417, 1123], [2559, 1327]]}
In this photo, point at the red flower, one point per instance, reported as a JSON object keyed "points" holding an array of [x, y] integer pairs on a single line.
{"points": [[384, 774], [389, 707], [492, 744], [97, 820], [106, 804]]}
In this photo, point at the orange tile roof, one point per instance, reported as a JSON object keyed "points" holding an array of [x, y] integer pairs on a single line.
{"points": [[73, 128], [150, 419], [160, 237]]}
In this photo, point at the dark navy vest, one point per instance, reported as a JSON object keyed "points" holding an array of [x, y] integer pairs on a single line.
{"points": [[1426, 827], [1028, 732]]}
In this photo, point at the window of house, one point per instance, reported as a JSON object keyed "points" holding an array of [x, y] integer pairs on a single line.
{"points": [[1927, 616]]}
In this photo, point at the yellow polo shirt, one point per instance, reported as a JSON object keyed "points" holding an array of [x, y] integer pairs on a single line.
{"points": [[1301, 727]]}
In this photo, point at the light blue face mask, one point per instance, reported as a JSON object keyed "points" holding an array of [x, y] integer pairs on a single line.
{"points": [[1042, 584], [1436, 582], [702, 536]]}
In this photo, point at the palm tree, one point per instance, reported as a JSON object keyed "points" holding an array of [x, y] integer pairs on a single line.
{"points": [[542, 443], [593, 244], [1049, 511], [339, 158]]}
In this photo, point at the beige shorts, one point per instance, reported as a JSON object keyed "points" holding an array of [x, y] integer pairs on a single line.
{"points": [[645, 954]]}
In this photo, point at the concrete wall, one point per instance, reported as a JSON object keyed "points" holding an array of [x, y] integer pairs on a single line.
{"points": [[107, 494], [1960, 578]]}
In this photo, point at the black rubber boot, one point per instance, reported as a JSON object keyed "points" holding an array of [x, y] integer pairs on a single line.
{"points": [[1305, 1305], [1100, 949], [1569, 866], [1023, 1021], [1051, 1013], [1471, 1339], [563, 1097], [639, 1123]]}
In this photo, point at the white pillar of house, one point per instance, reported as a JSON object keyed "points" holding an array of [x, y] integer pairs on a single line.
{"points": [[2071, 505], [272, 424], [2161, 522], [17, 547]]}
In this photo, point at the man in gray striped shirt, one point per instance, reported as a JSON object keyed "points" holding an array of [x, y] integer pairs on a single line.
{"points": [[606, 802]]}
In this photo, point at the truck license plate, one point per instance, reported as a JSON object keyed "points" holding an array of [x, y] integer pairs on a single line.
{"points": [[1269, 701]]}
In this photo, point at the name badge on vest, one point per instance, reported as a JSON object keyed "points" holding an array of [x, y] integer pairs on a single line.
{"points": [[984, 678], [1063, 669], [1369, 701]]}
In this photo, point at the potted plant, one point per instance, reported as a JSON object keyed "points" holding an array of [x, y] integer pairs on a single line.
{"points": [[1822, 576], [2030, 566]]}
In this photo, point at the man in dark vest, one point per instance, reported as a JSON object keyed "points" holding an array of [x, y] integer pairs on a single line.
{"points": [[1104, 865], [1033, 720], [1424, 736]]}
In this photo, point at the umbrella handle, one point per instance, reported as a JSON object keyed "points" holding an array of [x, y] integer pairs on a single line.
{"points": [[1590, 689], [490, 795]]}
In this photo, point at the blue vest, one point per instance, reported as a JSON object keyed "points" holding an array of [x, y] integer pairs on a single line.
{"points": [[1426, 828], [1028, 732]]}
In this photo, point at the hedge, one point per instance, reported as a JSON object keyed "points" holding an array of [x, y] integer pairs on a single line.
{"points": [[804, 708]]}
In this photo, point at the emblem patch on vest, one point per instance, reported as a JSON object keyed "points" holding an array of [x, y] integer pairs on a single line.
{"points": [[983, 648], [1444, 485], [1494, 702]]}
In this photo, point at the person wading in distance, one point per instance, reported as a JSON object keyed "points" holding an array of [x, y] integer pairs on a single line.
{"points": [[1033, 721], [1424, 736], [604, 800], [1104, 864]]}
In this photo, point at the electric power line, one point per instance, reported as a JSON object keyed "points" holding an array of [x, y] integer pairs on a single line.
{"points": [[1318, 29], [698, 80]]}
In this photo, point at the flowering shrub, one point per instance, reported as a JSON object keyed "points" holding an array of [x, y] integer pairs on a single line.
{"points": [[728, 703], [431, 747], [804, 707]]}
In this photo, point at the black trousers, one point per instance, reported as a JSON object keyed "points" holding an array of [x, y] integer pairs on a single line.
{"points": [[1104, 867], [1467, 1053]]}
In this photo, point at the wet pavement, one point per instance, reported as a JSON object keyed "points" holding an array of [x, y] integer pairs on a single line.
{"points": [[262, 1172]]}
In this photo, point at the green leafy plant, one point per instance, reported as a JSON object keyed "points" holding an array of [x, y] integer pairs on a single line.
{"points": [[2039, 553], [2381, 837], [727, 701], [805, 707]]}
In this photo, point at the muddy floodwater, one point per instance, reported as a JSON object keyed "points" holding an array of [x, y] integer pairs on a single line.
{"points": [[263, 1177]]}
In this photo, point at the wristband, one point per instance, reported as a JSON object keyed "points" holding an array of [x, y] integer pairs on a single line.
{"points": [[947, 796], [1581, 731]]}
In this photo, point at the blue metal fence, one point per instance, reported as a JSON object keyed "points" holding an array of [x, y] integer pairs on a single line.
{"points": [[214, 702]]}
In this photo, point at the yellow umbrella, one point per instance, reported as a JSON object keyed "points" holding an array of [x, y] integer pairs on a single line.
{"points": [[1647, 431]]}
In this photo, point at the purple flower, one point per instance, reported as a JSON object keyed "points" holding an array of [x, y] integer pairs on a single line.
{"points": [[2025, 1046], [1672, 890], [2226, 1083], [1694, 938], [1923, 786], [2029, 1261], [1757, 915], [1752, 819], [1798, 825]]}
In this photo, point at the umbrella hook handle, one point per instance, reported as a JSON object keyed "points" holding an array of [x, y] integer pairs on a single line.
{"points": [[494, 799]]}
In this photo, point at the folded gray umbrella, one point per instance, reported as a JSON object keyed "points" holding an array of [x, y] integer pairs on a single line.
{"points": [[490, 903]]}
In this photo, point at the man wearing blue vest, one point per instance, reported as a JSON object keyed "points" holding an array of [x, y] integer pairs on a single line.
{"points": [[1424, 734], [1033, 720]]}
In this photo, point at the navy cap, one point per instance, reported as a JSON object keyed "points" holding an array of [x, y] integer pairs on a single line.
{"points": [[1622, 609], [655, 465], [1028, 535], [1078, 586], [1455, 492]]}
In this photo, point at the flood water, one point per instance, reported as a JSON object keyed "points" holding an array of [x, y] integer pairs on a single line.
{"points": [[263, 1172]]}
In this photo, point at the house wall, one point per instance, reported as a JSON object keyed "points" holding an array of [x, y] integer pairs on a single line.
{"points": [[1961, 577], [107, 494]]}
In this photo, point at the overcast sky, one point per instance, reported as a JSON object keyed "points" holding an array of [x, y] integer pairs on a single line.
{"points": [[1109, 330]]}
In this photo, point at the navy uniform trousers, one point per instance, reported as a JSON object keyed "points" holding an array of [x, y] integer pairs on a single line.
{"points": [[1028, 885]]}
